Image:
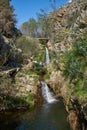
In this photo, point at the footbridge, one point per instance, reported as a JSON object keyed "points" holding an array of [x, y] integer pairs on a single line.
{"points": [[43, 40]]}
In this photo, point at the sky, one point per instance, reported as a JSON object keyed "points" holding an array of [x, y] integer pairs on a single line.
{"points": [[26, 9]]}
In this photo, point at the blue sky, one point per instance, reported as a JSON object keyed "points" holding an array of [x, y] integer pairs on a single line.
{"points": [[26, 9]]}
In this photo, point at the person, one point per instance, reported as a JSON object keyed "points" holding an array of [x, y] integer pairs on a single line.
{"points": [[35, 64], [41, 64]]}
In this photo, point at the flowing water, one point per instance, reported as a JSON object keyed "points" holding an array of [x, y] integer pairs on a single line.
{"points": [[51, 115], [47, 94], [47, 57]]}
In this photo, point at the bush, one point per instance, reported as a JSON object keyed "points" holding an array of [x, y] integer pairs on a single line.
{"points": [[75, 60], [28, 45], [29, 99]]}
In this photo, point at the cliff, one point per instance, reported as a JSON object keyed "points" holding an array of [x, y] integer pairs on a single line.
{"points": [[69, 68]]}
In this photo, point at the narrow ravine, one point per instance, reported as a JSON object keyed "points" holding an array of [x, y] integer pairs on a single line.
{"points": [[51, 115]]}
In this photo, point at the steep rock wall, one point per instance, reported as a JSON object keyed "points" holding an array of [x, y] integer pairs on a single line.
{"points": [[70, 28]]}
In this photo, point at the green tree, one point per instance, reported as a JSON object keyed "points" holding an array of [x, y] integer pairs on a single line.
{"points": [[7, 19], [44, 23], [30, 27], [28, 45]]}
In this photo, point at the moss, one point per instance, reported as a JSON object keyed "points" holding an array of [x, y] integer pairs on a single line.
{"points": [[29, 99], [47, 76]]}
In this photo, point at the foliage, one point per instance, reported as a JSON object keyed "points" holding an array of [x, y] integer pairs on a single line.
{"points": [[72, 66], [47, 76], [52, 55], [11, 101], [23, 100], [44, 23], [41, 56], [41, 71], [75, 60], [28, 45], [40, 28], [30, 99], [79, 90], [7, 18], [29, 72], [30, 27], [75, 66]]}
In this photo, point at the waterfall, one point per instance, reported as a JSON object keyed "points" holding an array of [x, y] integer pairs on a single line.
{"points": [[46, 93], [47, 57]]}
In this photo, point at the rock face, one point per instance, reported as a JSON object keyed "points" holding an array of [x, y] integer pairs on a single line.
{"points": [[70, 28], [17, 87], [4, 51], [25, 82], [9, 55]]}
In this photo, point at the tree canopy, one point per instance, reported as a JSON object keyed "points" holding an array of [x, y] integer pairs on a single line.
{"points": [[7, 19], [37, 28], [30, 27]]}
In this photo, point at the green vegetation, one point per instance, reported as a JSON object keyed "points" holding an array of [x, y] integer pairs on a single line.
{"points": [[30, 27], [41, 71], [11, 101], [52, 56], [40, 28], [47, 76], [41, 56], [80, 90], [28, 45], [60, 36], [29, 72], [7, 19], [75, 66], [29, 99]]}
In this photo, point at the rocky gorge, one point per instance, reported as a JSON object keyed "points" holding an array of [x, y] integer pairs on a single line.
{"points": [[68, 78], [67, 70]]}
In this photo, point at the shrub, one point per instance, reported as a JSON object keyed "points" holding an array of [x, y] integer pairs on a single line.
{"points": [[75, 60], [28, 45]]}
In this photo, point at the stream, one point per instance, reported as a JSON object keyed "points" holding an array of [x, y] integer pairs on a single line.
{"points": [[48, 116], [51, 115]]}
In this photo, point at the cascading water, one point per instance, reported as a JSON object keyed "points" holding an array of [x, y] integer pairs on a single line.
{"points": [[47, 57], [47, 94]]}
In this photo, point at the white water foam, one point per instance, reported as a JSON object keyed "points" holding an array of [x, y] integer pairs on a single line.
{"points": [[47, 57], [47, 94]]}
